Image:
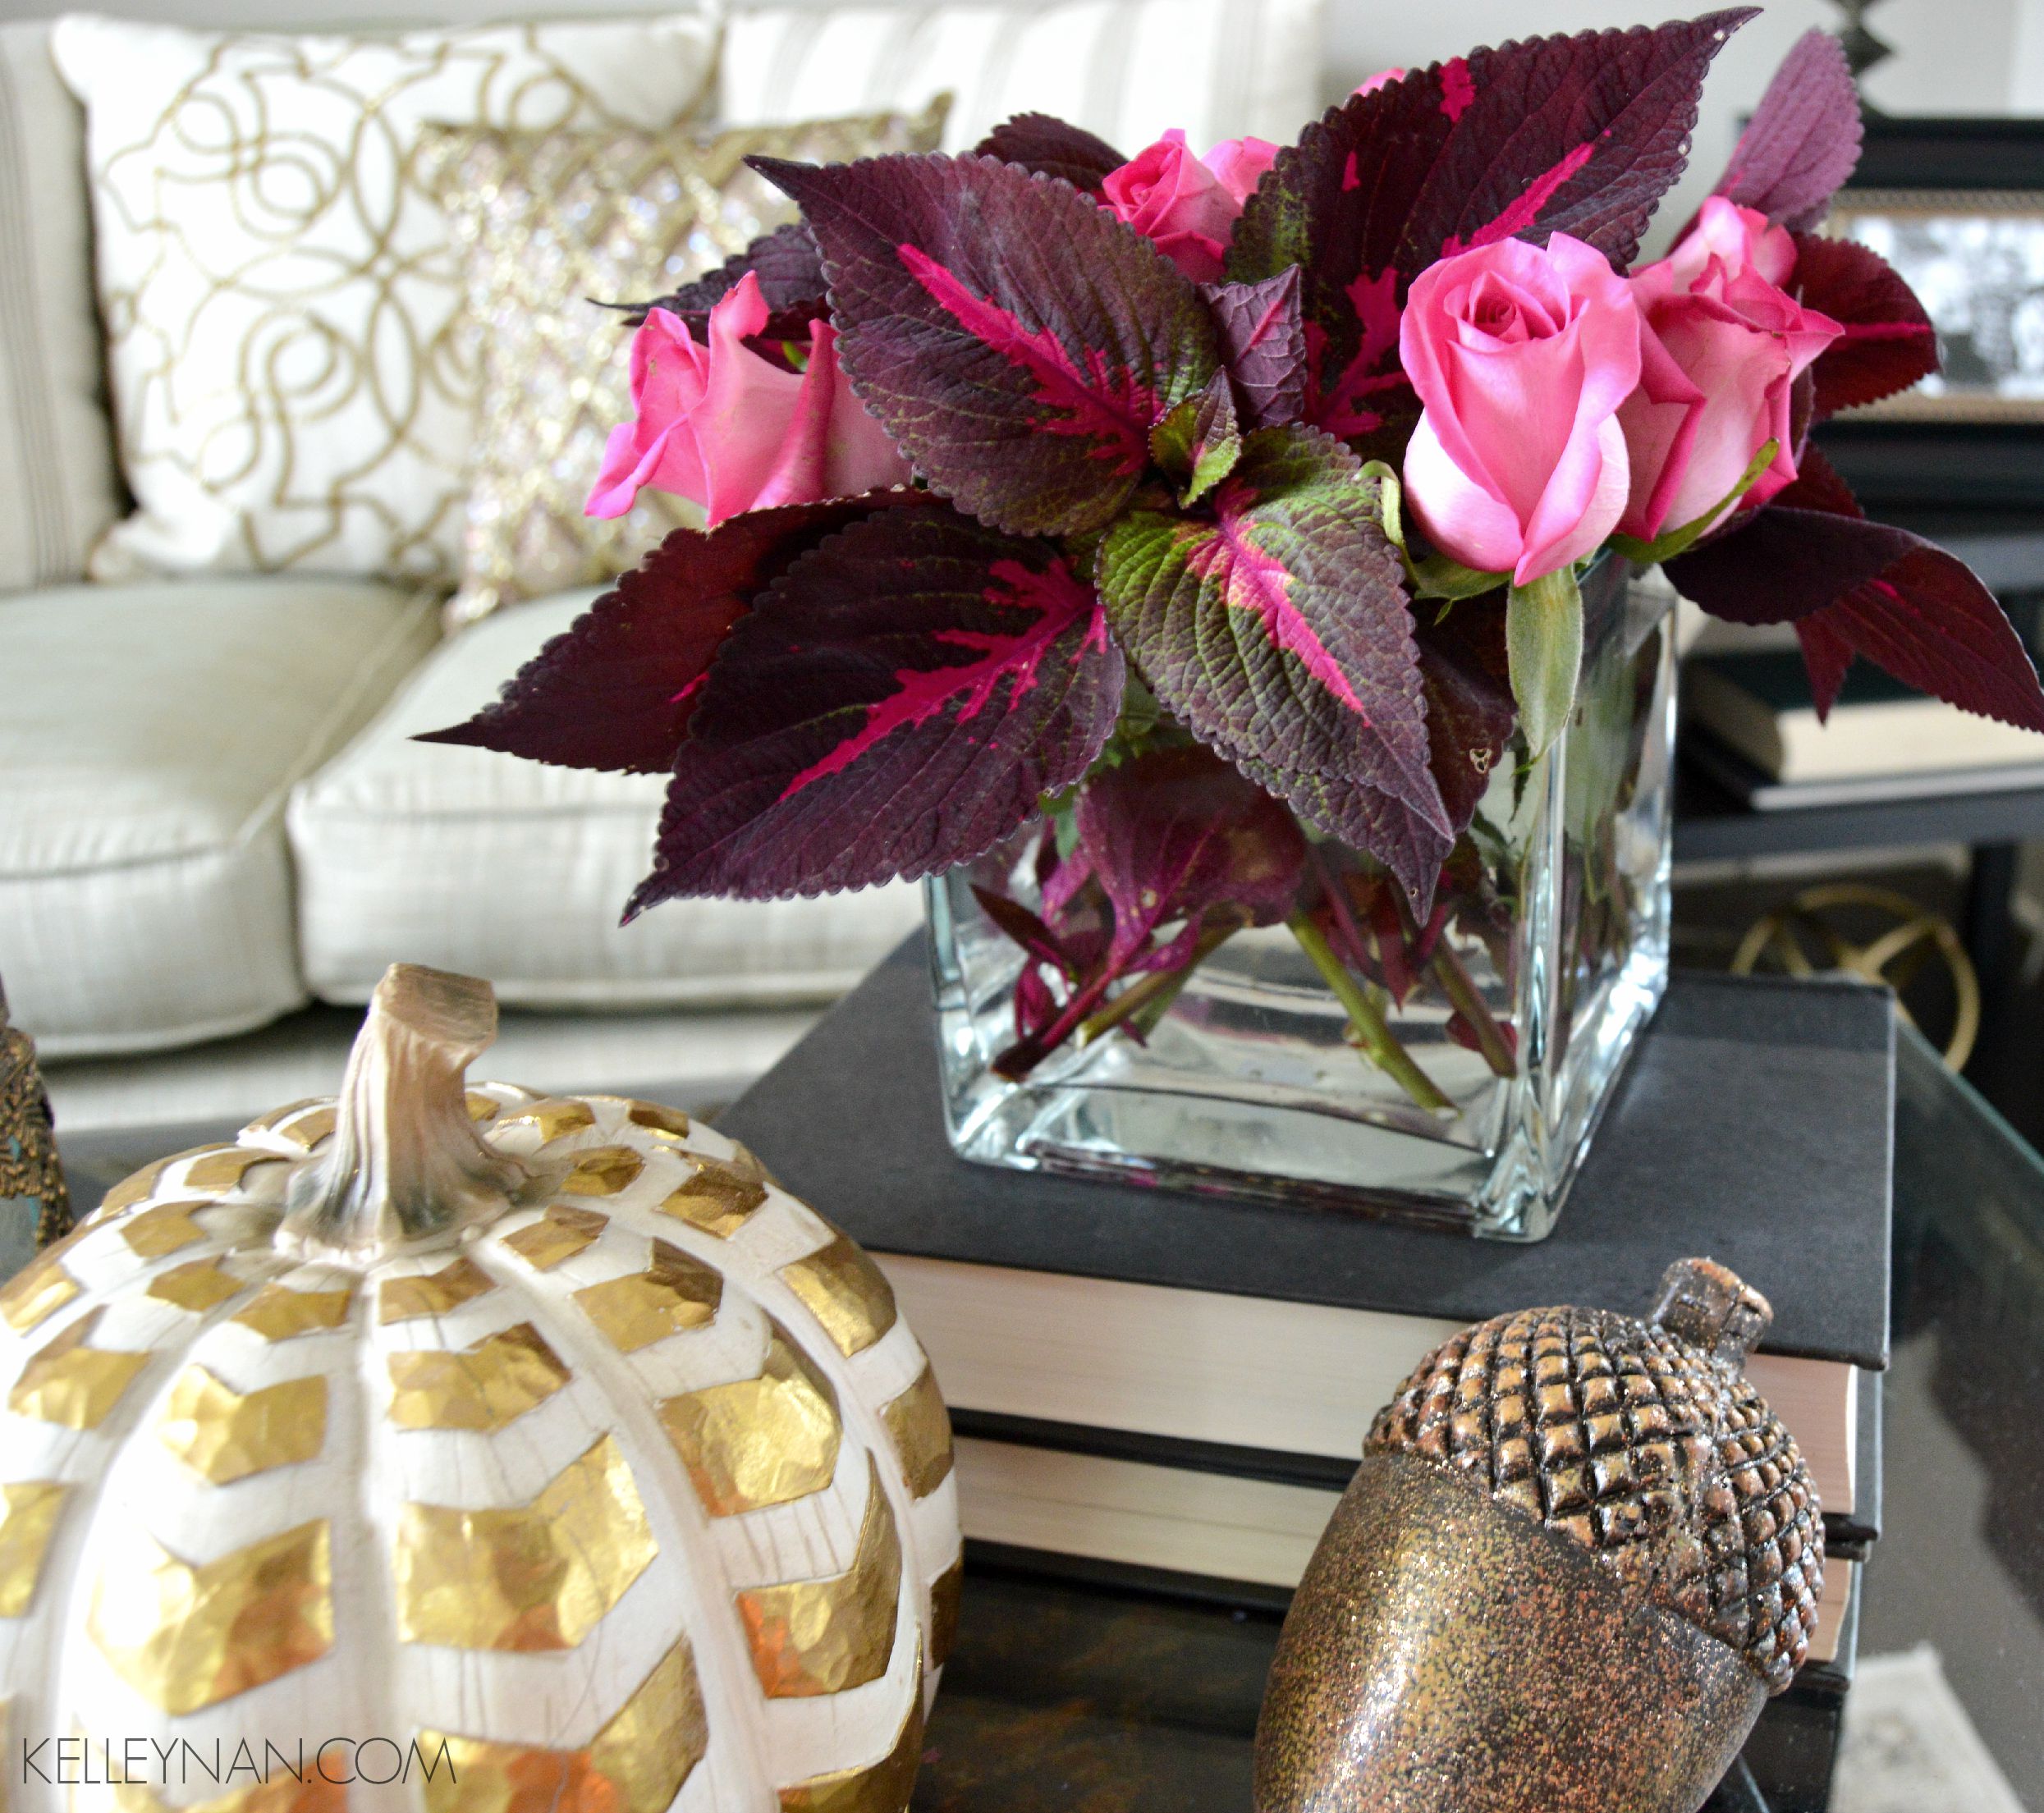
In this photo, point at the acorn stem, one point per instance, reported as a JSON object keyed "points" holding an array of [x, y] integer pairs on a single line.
{"points": [[406, 1167], [1710, 1306]]}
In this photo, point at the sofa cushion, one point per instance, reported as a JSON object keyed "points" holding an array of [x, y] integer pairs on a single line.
{"points": [[59, 489], [1127, 70], [484, 863], [150, 737]]}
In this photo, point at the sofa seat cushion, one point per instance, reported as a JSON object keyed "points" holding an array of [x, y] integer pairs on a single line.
{"points": [[481, 862], [151, 736]]}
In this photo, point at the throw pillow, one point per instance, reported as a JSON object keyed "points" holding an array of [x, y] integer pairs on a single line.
{"points": [[279, 289], [553, 224], [1124, 69]]}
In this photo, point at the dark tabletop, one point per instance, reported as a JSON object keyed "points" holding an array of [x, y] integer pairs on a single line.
{"points": [[1089, 1700]]}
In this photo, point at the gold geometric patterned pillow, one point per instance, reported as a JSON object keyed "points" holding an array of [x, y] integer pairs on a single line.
{"points": [[551, 224]]}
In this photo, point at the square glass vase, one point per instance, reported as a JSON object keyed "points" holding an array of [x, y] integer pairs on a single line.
{"points": [[1251, 1083]]}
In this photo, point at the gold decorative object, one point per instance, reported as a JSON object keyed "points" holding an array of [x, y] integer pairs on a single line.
{"points": [[520, 1400], [1579, 1555], [28, 1169], [1894, 958]]}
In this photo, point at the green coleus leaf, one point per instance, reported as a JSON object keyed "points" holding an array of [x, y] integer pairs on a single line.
{"points": [[1273, 622], [1198, 443], [1017, 341]]}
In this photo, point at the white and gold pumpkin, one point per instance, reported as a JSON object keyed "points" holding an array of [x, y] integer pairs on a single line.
{"points": [[545, 1441]]}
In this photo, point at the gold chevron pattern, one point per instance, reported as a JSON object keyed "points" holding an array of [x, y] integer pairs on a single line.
{"points": [[877, 1788], [603, 1171], [812, 1637], [762, 1441], [674, 1293], [279, 1313], [717, 1199], [560, 1233], [432, 1293], [223, 1435], [636, 1763], [532, 1576], [37, 1292], [554, 1118], [185, 1635], [164, 1228], [844, 1291], [483, 1387], [226, 1168], [69, 1383], [920, 1427], [201, 1285], [28, 1520]]}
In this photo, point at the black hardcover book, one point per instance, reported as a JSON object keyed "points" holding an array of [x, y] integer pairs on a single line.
{"points": [[1754, 1124]]}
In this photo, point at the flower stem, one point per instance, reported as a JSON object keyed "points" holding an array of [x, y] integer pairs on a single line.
{"points": [[1460, 988], [1151, 996], [1375, 1037]]}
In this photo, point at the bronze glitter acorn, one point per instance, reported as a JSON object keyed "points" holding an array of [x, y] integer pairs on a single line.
{"points": [[1579, 1555]]}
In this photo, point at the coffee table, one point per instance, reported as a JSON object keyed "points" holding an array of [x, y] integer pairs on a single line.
{"points": [[1092, 1699]]}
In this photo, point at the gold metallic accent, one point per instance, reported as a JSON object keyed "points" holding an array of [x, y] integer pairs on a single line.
{"points": [[482, 1107], [67, 1382], [761, 1441], [637, 1763], [433, 1293], [279, 1313], [603, 1171], [28, 1520], [560, 1234], [812, 1637], [276, 1118], [674, 1293], [883, 1787], [36, 1292], [921, 1427], [164, 1228], [718, 1200], [946, 1591], [531, 1576], [661, 1123], [844, 1291], [554, 1117], [227, 1168], [492, 1383], [185, 1635], [29, 1168], [309, 1130], [223, 1435], [198, 1285], [138, 1187]]}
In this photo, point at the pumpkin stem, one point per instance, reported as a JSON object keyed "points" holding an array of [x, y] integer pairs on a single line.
{"points": [[406, 1167], [1712, 1307]]}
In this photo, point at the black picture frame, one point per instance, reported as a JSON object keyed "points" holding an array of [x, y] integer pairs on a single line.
{"points": [[1946, 465]]}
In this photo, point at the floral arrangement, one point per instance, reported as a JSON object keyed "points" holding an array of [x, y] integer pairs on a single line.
{"points": [[1231, 511]]}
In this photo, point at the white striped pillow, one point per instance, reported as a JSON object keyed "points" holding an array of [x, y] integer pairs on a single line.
{"points": [[1124, 69]]}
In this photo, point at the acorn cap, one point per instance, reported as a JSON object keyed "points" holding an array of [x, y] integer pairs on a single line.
{"points": [[1645, 1443]]}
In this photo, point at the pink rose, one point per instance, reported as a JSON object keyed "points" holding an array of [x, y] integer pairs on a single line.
{"points": [[1188, 206], [1721, 344], [731, 431], [1522, 357], [1383, 79]]}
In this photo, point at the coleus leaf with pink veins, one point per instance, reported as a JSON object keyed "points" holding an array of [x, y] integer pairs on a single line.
{"points": [[616, 688], [1889, 342], [1578, 134], [1272, 623], [1802, 141], [896, 703], [1263, 345], [1017, 342]]}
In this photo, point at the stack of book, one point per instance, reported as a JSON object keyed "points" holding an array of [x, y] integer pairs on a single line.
{"points": [[1170, 1390]]}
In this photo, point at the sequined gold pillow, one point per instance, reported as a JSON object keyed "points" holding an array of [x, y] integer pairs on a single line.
{"points": [[549, 222]]}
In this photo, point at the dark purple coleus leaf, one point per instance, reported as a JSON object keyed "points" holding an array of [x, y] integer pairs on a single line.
{"points": [[1802, 141], [1470, 713], [1050, 146], [1580, 135], [1017, 342], [1889, 343], [1919, 613], [896, 703], [1274, 625], [617, 688], [1264, 346], [790, 273]]}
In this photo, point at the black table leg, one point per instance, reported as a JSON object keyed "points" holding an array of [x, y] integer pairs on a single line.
{"points": [[1989, 934]]}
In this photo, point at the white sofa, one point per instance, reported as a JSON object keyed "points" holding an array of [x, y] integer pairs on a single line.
{"points": [[211, 812]]}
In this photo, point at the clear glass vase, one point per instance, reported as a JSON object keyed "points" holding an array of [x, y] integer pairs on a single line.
{"points": [[1252, 1084]]}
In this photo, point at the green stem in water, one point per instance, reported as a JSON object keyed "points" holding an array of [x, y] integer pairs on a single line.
{"points": [[1376, 1038], [1148, 998], [1460, 988]]}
